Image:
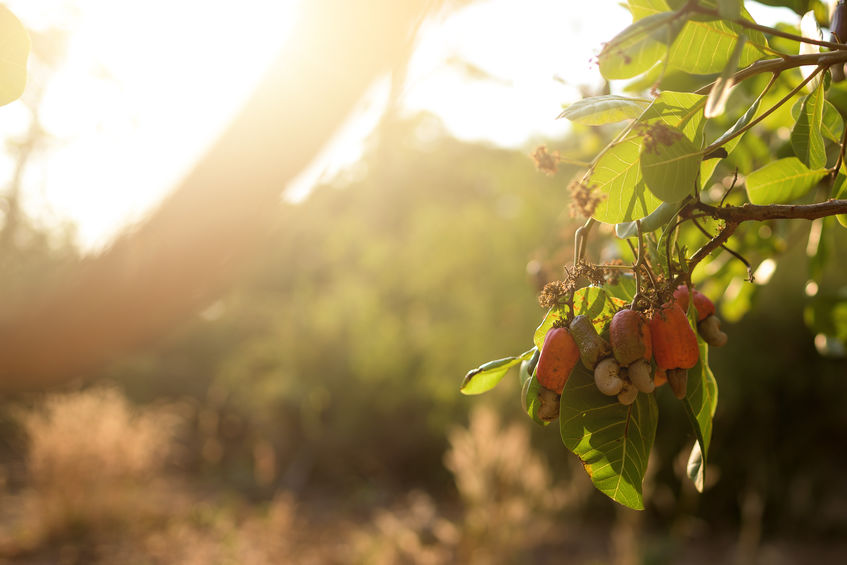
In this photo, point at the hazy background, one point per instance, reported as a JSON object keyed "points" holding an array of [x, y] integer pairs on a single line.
{"points": [[311, 414]]}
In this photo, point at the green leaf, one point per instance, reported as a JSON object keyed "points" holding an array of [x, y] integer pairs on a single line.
{"points": [[622, 289], [639, 46], [591, 301], [707, 168], [553, 314], [706, 47], [616, 178], [597, 304], [669, 164], [600, 110], [660, 216], [739, 124], [781, 181], [612, 440], [487, 376], [832, 125], [806, 137], [700, 403], [14, 51], [530, 388]]}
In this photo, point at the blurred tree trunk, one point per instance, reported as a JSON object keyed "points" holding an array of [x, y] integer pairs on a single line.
{"points": [[189, 249]]}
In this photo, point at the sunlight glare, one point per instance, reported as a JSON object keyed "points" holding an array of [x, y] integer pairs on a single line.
{"points": [[142, 93]]}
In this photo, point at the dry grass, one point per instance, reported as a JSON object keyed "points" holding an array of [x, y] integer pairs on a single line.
{"points": [[94, 460], [510, 501], [99, 492]]}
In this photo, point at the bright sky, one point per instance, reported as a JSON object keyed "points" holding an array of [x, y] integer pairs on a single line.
{"points": [[145, 89]]}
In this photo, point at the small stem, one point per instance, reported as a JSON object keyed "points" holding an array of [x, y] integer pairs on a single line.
{"points": [[576, 162], [734, 180], [616, 267], [579, 241]]}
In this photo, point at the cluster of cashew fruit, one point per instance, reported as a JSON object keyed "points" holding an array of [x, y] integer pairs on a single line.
{"points": [[622, 365]]}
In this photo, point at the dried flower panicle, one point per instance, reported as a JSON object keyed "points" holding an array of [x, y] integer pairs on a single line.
{"points": [[584, 200], [546, 162], [553, 292]]}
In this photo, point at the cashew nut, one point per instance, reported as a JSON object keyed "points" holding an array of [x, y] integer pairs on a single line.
{"points": [[607, 377], [628, 394], [641, 375]]}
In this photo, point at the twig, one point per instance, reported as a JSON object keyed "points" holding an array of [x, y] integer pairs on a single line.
{"points": [[579, 240], [785, 63], [734, 180], [710, 246], [755, 213], [770, 110], [728, 250]]}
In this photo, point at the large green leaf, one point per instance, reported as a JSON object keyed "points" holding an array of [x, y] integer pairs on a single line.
{"points": [[700, 402], [612, 440], [599, 110], [807, 137], [669, 164], [487, 376], [639, 46], [705, 47], [781, 181], [616, 178], [14, 51]]}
